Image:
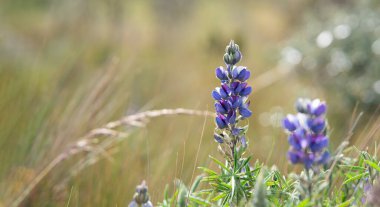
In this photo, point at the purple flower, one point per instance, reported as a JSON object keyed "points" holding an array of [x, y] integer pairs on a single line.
{"points": [[221, 121], [221, 74], [316, 107], [290, 122], [231, 98], [244, 111], [222, 107], [218, 138], [307, 133], [235, 101], [240, 73]]}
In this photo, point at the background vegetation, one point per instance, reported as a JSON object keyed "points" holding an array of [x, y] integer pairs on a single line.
{"points": [[68, 67]]}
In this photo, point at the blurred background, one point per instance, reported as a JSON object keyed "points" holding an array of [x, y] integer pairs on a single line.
{"points": [[67, 67]]}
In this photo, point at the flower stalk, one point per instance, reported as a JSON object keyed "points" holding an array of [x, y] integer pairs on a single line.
{"points": [[231, 103]]}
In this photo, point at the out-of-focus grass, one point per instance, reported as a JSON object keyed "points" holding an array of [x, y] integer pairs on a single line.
{"points": [[70, 66]]}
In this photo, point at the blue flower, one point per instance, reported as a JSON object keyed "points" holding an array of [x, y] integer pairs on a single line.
{"points": [[221, 121], [231, 97], [221, 74], [307, 133], [222, 106], [316, 107], [218, 138], [290, 122]]}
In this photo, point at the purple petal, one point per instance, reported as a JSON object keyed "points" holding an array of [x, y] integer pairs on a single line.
{"points": [[324, 158], [243, 142], [290, 122], [215, 94], [304, 143], [294, 142], [321, 109], [247, 75], [235, 102], [319, 143], [245, 112], [246, 91], [221, 121], [294, 157], [224, 91], [219, 108], [218, 138], [235, 72], [221, 73], [317, 125], [316, 107], [244, 74], [308, 161], [231, 117]]}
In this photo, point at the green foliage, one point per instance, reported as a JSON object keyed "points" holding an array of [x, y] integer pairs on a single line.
{"points": [[345, 183]]}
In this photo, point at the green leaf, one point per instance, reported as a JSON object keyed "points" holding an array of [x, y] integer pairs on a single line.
{"points": [[245, 162], [352, 167], [303, 203], [260, 192], [233, 190], [199, 201], [220, 164], [208, 171], [196, 184], [357, 177], [373, 165], [221, 195], [346, 203]]}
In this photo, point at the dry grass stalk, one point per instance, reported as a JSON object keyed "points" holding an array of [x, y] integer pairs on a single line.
{"points": [[92, 144]]}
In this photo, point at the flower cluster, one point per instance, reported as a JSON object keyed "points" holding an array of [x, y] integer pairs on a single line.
{"points": [[231, 98], [307, 133], [141, 197]]}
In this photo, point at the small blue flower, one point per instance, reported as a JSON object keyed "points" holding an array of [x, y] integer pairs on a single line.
{"points": [[240, 73], [307, 133], [218, 138], [236, 87], [246, 91], [290, 122], [316, 107], [222, 107], [221, 74], [318, 143], [235, 101], [244, 111], [221, 121], [317, 125], [231, 117]]}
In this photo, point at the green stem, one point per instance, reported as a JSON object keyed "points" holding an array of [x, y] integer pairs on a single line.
{"points": [[309, 183]]}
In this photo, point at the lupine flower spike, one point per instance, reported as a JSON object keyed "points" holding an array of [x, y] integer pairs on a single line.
{"points": [[307, 133], [231, 99], [141, 197]]}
